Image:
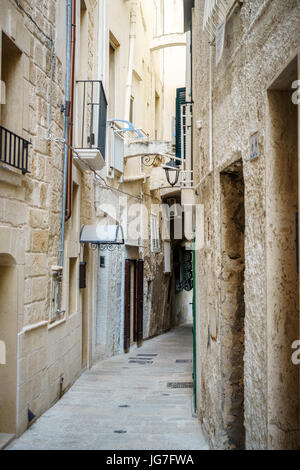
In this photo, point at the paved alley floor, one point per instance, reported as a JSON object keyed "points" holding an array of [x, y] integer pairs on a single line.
{"points": [[124, 403]]}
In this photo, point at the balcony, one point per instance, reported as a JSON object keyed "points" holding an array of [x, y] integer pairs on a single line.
{"points": [[91, 116], [13, 150]]}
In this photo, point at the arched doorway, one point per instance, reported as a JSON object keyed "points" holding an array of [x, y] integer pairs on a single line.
{"points": [[8, 338]]}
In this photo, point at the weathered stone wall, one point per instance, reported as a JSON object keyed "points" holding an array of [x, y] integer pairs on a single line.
{"points": [[261, 38], [30, 213]]}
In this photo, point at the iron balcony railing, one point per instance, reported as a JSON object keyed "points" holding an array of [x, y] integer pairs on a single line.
{"points": [[91, 115], [14, 150]]}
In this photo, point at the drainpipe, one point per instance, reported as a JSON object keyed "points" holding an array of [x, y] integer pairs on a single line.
{"points": [[66, 137], [132, 36], [194, 326], [210, 110], [71, 112]]}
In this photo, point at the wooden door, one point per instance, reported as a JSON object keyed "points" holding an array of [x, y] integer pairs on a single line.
{"points": [[140, 299]]}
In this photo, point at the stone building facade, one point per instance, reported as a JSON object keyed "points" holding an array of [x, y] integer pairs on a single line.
{"points": [[246, 154], [156, 72], [50, 334], [44, 354]]}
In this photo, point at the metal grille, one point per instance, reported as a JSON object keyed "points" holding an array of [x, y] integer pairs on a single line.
{"points": [[142, 359], [13, 150], [136, 361], [147, 355], [180, 385]]}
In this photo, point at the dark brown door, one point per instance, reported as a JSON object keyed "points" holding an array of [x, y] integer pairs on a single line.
{"points": [[140, 299], [127, 307]]}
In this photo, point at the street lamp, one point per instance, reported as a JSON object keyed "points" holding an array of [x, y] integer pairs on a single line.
{"points": [[172, 169]]}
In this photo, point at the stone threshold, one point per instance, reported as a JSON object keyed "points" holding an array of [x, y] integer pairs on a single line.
{"points": [[5, 439]]}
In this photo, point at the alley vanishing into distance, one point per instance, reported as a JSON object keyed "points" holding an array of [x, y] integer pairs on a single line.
{"points": [[149, 179], [125, 403]]}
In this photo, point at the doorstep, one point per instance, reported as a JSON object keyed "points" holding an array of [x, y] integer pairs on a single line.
{"points": [[5, 439]]}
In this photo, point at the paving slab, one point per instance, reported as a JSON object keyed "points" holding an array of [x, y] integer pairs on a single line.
{"points": [[123, 405]]}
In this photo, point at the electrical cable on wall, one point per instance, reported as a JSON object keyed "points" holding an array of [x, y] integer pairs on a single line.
{"points": [[33, 21], [52, 47], [97, 176]]}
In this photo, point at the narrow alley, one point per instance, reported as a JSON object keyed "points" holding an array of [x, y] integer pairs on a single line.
{"points": [[149, 181], [126, 400]]}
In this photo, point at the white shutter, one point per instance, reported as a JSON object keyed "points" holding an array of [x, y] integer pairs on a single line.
{"points": [[155, 242], [215, 12], [167, 255], [117, 152]]}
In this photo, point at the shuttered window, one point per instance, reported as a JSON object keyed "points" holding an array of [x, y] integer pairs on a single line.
{"points": [[215, 12], [117, 152], [167, 255], [155, 241]]}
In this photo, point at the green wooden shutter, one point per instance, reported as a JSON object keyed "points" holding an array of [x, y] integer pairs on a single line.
{"points": [[180, 99]]}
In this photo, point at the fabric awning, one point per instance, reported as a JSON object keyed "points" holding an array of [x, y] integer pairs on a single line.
{"points": [[102, 234]]}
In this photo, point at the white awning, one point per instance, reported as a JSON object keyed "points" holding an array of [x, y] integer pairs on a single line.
{"points": [[102, 234]]}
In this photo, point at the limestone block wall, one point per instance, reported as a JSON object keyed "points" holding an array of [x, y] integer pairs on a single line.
{"points": [[49, 355], [261, 39]]}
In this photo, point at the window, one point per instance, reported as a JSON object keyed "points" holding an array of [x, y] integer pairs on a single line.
{"points": [[113, 76], [12, 86], [83, 43], [155, 241], [215, 13], [73, 225], [13, 147], [112, 81]]}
